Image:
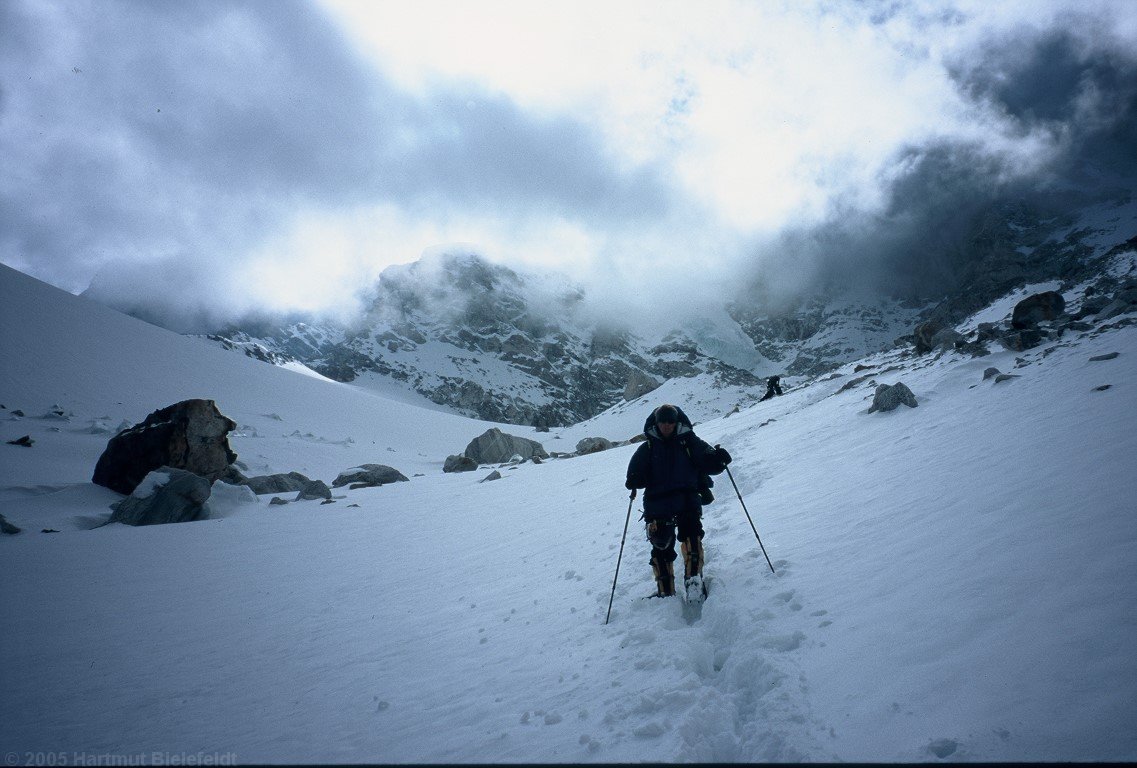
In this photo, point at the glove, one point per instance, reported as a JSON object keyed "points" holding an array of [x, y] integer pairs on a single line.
{"points": [[630, 484], [722, 455]]}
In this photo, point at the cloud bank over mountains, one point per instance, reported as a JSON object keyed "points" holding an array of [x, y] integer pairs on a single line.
{"points": [[209, 159]]}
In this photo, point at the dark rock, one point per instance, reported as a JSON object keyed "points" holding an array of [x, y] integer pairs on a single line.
{"points": [[1019, 341], [1006, 377], [18, 412], [233, 475], [25, 441], [888, 397], [925, 335], [166, 495], [593, 445], [8, 528], [496, 447], [495, 475], [459, 463], [369, 476], [279, 483], [1102, 388], [191, 435], [1032, 310], [947, 338], [276, 501], [990, 372], [315, 489], [1103, 358]]}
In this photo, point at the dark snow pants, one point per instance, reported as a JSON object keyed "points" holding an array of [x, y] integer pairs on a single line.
{"points": [[661, 532]]}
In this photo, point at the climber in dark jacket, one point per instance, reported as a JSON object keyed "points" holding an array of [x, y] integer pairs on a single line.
{"points": [[673, 464]]}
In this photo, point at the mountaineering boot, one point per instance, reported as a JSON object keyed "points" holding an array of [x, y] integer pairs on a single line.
{"points": [[664, 576]]}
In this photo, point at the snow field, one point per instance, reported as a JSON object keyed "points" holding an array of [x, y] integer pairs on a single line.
{"points": [[953, 580]]}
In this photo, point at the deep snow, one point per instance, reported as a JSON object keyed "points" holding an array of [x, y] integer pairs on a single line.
{"points": [[954, 581]]}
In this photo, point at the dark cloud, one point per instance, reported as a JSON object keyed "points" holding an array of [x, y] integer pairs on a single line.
{"points": [[138, 132], [948, 201]]}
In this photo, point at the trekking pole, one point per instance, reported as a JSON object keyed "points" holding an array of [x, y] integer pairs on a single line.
{"points": [[728, 474], [631, 499]]}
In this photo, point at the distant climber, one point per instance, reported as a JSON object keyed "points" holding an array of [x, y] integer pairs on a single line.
{"points": [[674, 465], [773, 387]]}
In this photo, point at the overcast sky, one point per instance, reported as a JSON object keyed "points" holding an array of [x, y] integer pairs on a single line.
{"points": [[241, 154]]}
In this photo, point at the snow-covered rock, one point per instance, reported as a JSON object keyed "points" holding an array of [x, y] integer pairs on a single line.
{"points": [[165, 495]]}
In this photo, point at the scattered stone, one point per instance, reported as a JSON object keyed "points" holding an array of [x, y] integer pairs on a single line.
{"points": [[495, 475], [315, 489], [18, 412], [593, 445], [276, 501], [991, 372], [859, 367], [888, 398], [1032, 310], [496, 447], [1102, 388], [191, 435], [8, 528], [26, 441], [278, 483], [459, 463], [1006, 377], [166, 495], [943, 748], [1103, 358], [49, 530], [327, 501], [853, 383], [369, 476]]}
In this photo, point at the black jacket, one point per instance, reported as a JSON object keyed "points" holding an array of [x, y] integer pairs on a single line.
{"points": [[672, 469]]}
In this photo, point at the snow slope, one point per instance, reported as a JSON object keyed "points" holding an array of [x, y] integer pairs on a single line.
{"points": [[953, 581]]}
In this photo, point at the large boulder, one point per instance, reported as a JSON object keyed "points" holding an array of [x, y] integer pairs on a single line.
{"points": [[191, 435], [369, 476], [1033, 310], [6, 527], [496, 447], [166, 495], [888, 397]]}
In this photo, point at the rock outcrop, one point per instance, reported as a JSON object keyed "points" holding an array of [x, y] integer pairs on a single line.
{"points": [[191, 435], [496, 447]]}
